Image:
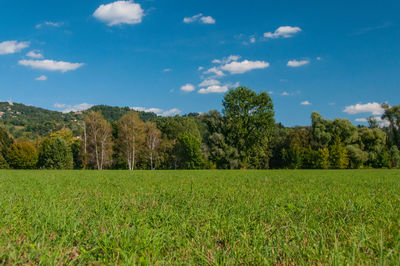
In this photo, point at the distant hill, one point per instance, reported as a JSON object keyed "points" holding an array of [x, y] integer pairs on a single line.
{"points": [[114, 113], [28, 121]]}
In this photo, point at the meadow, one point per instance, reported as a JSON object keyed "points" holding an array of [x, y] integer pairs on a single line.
{"points": [[200, 217]]}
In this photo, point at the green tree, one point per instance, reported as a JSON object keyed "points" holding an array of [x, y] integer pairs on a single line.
{"points": [[357, 157], [188, 151], [131, 137], [338, 155], [249, 120], [97, 140], [22, 155], [5, 141], [3, 163], [55, 153]]}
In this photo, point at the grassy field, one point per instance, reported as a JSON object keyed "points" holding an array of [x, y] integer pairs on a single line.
{"points": [[200, 217]]}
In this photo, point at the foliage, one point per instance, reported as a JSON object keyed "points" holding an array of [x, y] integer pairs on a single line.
{"points": [[338, 154], [249, 122], [243, 136], [98, 140], [130, 137], [55, 153], [22, 155], [188, 152]]}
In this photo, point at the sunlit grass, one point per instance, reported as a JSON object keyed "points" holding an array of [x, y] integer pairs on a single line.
{"points": [[200, 217]]}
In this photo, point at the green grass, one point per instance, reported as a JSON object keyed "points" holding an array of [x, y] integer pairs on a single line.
{"points": [[200, 217]]}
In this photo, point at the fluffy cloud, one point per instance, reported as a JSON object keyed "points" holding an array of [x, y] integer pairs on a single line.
{"points": [[305, 103], [199, 18], [158, 111], [295, 63], [34, 54], [171, 112], [283, 32], [50, 65], [244, 66], [12, 47], [214, 70], [66, 108], [209, 82], [187, 87], [119, 12], [373, 108], [49, 24], [225, 60], [41, 78], [214, 89]]}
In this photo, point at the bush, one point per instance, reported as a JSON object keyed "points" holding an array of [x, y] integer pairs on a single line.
{"points": [[22, 155], [55, 153]]}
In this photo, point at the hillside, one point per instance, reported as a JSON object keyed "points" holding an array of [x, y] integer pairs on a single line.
{"points": [[29, 121]]}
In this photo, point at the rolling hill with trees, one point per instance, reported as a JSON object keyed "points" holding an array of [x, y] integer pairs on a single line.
{"points": [[243, 136]]}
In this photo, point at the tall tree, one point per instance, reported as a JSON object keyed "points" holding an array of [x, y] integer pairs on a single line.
{"points": [[250, 124], [153, 139], [188, 152], [392, 115], [130, 137], [99, 141], [55, 153]]}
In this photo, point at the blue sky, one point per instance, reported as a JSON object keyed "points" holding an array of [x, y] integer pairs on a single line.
{"points": [[340, 58]]}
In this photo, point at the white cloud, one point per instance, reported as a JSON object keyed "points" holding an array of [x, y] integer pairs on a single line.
{"points": [[119, 12], [373, 108], [285, 93], [35, 54], [66, 108], [12, 47], [187, 87], [49, 24], [283, 32], [361, 120], [171, 112], [225, 60], [147, 110], [209, 82], [244, 66], [319, 58], [295, 63], [214, 89], [214, 70], [379, 120], [41, 78], [217, 88], [158, 111], [305, 103], [51, 65], [207, 20], [200, 68], [252, 39], [199, 18], [167, 70], [59, 105]]}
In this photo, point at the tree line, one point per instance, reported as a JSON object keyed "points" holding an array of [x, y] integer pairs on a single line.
{"points": [[243, 136]]}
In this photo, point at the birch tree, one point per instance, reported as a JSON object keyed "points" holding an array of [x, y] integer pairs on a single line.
{"points": [[152, 139], [130, 137], [98, 140]]}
